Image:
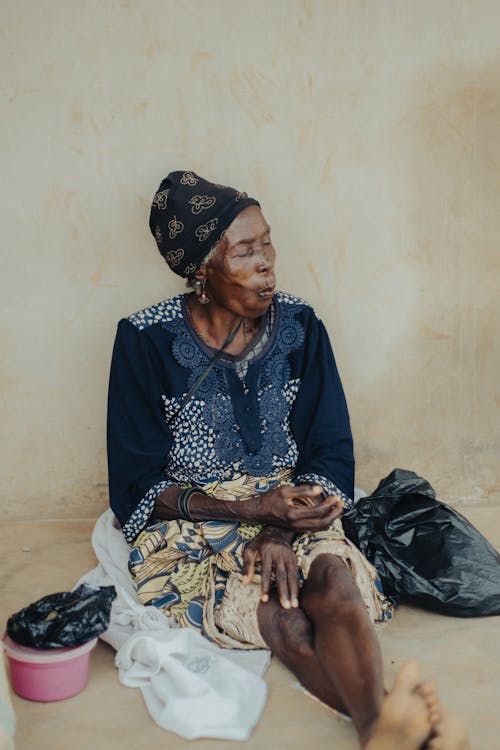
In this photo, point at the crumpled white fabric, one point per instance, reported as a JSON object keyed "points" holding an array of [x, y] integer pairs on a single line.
{"points": [[190, 686]]}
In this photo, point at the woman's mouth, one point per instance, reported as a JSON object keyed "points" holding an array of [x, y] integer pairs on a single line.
{"points": [[266, 293]]}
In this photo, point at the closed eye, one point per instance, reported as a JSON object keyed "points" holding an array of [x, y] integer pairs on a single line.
{"points": [[248, 250]]}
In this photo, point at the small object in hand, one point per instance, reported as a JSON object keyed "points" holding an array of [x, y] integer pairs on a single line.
{"points": [[306, 502], [310, 502]]}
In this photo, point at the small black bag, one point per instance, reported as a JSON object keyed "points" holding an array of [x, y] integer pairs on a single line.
{"points": [[63, 620], [424, 551]]}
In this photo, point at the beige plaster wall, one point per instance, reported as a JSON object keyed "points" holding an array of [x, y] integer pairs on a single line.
{"points": [[370, 133]]}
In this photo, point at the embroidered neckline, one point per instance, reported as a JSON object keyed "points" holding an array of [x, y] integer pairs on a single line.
{"points": [[233, 360]]}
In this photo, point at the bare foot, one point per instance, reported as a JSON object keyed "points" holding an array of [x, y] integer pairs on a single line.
{"points": [[451, 734], [404, 722]]}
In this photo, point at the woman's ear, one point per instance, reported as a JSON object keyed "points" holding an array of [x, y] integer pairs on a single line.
{"points": [[201, 274], [199, 284]]}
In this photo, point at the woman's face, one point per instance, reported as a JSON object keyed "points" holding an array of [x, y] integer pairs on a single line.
{"points": [[240, 277]]}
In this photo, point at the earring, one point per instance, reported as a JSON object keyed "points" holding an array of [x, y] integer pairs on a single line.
{"points": [[200, 292]]}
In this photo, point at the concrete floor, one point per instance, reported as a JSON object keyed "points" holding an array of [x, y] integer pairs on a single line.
{"points": [[461, 656]]}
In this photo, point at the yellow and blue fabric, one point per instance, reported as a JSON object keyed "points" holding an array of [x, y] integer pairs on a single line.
{"points": [[192, 570]]}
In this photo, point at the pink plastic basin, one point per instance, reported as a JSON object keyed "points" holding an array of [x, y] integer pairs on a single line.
{"points": [[50, 675]]}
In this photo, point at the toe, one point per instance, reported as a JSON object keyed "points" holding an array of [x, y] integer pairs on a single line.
{"points": [[408, 677], [428, 691], [434, 717]]}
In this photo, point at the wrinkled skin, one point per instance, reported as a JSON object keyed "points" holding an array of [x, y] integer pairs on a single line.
{"points": [[239, 280]]}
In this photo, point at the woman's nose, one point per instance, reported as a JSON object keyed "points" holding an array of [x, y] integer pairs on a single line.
{"points": [[266, 260]]}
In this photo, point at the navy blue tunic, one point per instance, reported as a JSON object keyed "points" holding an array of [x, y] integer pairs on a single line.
{"points": [[289, 410]]}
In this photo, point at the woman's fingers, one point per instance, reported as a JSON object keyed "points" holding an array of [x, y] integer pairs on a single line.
{"points": [[318, 511], [301, 522], [284, 567], [311, 528], [281, 577], [267, 569], [249, 560], [293, 581], [307, 492]]}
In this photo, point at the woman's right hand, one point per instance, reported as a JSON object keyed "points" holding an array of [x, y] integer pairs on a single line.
{"points": [[284, 506]]}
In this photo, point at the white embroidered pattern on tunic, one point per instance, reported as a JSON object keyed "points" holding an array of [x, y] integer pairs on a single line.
{"points": [[142, 513], [164, 312]]}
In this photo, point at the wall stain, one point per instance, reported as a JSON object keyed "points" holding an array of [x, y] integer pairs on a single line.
{"points": [[314, 276], [310, 82], [6, 383], [431, 333], [68, 199], [198, 57], [74, 233], [149, 51], [76, 113], [326, 173], [306, 135], [255, 93], [95, 126], [308, 7], [141, 107]]}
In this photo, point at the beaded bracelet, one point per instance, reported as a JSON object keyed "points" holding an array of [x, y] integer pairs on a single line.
{"points": [[183, 502]]}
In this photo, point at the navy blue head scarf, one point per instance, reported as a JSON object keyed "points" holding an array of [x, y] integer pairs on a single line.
{"points": [[188, 217]]}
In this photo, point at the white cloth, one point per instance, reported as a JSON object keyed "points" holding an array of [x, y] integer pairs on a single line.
{"points": [[190, 686]]}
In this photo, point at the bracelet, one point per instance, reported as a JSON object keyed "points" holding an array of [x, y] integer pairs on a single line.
{"points": [[183, 502]]}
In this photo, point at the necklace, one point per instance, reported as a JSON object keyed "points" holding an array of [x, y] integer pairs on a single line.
{"points": [[246, 330], [198, 332], [244, 323]]}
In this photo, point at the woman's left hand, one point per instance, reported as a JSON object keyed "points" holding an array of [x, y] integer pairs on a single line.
{"points": [[272, 547]]}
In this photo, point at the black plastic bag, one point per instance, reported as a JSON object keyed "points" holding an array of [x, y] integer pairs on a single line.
{"points": [[425, 551], [63, 620]]}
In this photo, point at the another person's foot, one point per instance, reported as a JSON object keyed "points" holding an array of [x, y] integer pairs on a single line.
{"points": [[450, 734], [427, 692], [407, 715]]}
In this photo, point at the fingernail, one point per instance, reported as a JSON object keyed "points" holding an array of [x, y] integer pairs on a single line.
{"points": [[295, 603], [286, 604], [264, 598]]}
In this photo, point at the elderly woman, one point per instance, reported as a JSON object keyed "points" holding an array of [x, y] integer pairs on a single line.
{"points": [[231, 460]]}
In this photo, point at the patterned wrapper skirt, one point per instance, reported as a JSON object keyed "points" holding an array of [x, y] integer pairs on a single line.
{"points": [[192, 570]]}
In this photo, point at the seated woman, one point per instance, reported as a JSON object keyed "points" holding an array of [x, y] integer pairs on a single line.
{"points": [[231, 460]]}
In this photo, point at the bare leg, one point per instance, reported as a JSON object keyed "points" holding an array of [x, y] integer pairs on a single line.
{"points": [[345, 642], [289, 635], [329, 643]]}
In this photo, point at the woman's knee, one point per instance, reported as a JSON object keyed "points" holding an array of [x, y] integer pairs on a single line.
{"points": [[287, 632], [330, 589], [294, 632]]}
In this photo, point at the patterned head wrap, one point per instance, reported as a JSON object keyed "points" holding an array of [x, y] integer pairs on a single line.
{"points": [[188, 217]]}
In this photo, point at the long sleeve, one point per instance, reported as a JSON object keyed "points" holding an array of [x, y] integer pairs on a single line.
{"points": [[138, 435], [320, 419]]}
